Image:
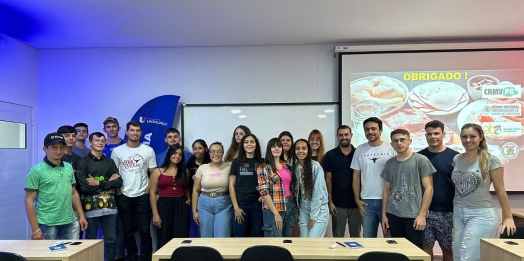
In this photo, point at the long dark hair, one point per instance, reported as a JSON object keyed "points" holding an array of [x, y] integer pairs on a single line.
{"points": [[269, 160], [290, 152], [242, 155], [234, 147], [207, 158], [307, 175], [181, 168]]}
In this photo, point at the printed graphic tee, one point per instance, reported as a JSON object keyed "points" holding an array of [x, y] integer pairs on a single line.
{"points": [[133, 165]]}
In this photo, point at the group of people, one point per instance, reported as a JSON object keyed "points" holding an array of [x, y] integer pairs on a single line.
{"points": [[115, 188]]}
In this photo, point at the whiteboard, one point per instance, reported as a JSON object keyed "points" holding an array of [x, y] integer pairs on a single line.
{"points": [[217, 122]]}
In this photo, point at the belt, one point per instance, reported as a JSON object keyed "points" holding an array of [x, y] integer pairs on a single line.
{"points": [[214, 194], [289, 198]]}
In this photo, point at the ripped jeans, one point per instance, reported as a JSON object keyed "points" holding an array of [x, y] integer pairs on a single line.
{"points": [[320, 226], [469, 226]]}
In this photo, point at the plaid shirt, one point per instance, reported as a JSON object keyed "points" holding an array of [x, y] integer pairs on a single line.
{"points": [[270, 183]]}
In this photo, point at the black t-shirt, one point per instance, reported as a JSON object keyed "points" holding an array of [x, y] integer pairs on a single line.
{"points": [[341, 177], [315, 158], [443, 187], [247, 180], [73, 160]]}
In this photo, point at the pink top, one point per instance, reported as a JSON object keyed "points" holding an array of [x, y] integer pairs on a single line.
{"points": [[167, 187], [286, 180]]}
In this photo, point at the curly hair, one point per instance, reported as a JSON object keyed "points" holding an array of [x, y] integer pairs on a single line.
{"points": [[307, 169], [242, 155]]}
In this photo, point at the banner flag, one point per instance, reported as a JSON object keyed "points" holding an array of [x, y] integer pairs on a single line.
{"points": [[156, 116]]}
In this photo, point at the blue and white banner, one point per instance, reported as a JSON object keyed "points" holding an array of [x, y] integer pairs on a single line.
{"points": [[156, 116]]}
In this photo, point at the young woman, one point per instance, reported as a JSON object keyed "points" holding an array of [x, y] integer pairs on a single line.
{"points": [[275, 185], [316, 141], [211, 201], [200, 156], [474, 214], [232, 152], [311, 192], [287, 145], [243, 183], [171, 206]]}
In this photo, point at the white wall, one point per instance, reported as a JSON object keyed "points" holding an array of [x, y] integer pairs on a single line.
{"points": [[18, 88]]}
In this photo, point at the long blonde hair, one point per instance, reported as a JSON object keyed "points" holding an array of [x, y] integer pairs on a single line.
{"points": [[321, 149], [483, 149]]}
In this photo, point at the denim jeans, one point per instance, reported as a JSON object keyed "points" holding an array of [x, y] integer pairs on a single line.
{"points": [[403, 227], [108, 224], [135, 213], [68, 231], [373, 217], [215, 216], [288, 221], [469, 226], [253, 213], [119, 244], [320, 226]]}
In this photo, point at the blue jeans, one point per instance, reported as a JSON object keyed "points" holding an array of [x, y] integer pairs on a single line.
{"points": [[108, 224], [373, 217], [320, 226], [469, 226], [215, 216], [288, 221], [69, 231], [253, 213]]}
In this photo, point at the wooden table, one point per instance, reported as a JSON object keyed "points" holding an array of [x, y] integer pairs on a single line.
{"points": [[89, 250], [518, 216], [301, 248], [496, 249]]}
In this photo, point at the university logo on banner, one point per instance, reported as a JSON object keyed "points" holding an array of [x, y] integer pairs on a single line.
{"points": [[156, 116]]}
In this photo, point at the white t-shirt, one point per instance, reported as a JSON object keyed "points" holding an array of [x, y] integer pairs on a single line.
{"points": [[133, 164], [214, 179], [370, 161]]}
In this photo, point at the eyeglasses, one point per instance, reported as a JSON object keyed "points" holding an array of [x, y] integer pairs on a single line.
{"points": [[402, 140], [215, 152]]}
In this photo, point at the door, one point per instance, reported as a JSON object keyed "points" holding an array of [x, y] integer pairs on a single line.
{"points": [[16, 154]]}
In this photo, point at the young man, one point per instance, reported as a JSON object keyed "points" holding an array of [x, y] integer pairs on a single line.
{"points": [[81, 135], [405, 202], [368, 163], [51, 184], [133, 160], [69, 134], [98, 177], [339, 175], [172, 138], [111, 128], [439, 222]]}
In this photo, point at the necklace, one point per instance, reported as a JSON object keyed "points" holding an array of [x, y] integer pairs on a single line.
{"points": [[70, 160]]}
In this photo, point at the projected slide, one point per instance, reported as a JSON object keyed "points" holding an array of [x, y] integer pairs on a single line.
{"points": [[408, 100]]}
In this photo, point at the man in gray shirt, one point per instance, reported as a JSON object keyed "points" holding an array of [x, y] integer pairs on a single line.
{"points": [[82, 132], [407, 192]]}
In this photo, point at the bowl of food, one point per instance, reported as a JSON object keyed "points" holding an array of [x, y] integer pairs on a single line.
{"points": [[476, 82], [390, 93]]}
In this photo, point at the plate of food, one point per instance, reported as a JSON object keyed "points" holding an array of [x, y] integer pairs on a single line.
{"points": [[414, 121], [389, 92], [477, 112], [438, 98]]}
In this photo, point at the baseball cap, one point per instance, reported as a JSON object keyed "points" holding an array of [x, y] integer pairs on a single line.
{"points": [[113, 119], [53, 138]]}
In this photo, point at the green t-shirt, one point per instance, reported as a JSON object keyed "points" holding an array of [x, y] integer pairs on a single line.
{"points": [[54, 185]]}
